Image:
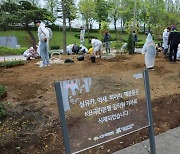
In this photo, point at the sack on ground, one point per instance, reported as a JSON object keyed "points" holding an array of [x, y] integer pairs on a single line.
{"points": [[68, 61], [80, 58]]}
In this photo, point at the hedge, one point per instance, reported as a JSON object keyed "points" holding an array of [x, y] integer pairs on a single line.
{"points": [[139, 44], [14, 63], [11, 51]]}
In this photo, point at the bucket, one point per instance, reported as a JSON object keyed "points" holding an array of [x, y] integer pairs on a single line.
{"points": [[93, 59]]}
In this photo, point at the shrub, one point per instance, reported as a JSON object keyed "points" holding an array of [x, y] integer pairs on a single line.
{"points": [[11, 51], [124, 40], [88, 46], [2, 111], [9, 64], [113, 39], [86, 36], [104, 27], [117, 44], [139, 44], [139, 40], [130, 47], [55, 47], [3, 92]]}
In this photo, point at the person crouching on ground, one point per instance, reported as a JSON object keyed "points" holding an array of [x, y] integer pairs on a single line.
{"points": [[97, 47], [31, 53], [159, 48], [83, 49], [43, 35], [149, 49]]}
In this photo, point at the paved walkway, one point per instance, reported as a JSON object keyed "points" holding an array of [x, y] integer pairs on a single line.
{"points": [[166, 143]]}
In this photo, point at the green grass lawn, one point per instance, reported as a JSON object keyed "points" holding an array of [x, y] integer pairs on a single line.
{"points": [[25, 41]]}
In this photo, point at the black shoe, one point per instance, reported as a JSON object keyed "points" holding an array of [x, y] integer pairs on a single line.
{"points": [[151, 69], [28, 58]]}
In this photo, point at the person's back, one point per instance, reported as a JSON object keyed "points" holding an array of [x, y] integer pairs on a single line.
{"points": [[69, 49], [106, 37], [149, 49], [75, 49], [107, 41], [97, 46], [134, 36], [95, 42], [83, 49], [173, 41], [174, 38]]}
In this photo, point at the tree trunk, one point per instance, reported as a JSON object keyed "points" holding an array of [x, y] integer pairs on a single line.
{"points": [[99, 24], [149, 28], [121, 25], [64, 26], [32, 37], [69, 24], [115, 27], [91, 26], [87, 26], [144, 27]]}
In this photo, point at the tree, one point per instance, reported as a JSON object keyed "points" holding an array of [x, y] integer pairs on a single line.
{"points": [[22, 14], [63, 2], [126, 11], [87, 9], [102, 9], [115, 11], [52, 5], [71, 11], [104, 27], [34, 2], [130, 47], [143, 17]]}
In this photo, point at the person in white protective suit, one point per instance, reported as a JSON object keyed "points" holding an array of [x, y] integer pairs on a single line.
{"points": [[69, 49], [31, 53], [83, 49], [178, 52], [165, 39], [149, 49], [97, 47]]}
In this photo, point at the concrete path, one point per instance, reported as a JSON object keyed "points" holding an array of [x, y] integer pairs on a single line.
{"points": [[166, 143], [138, 50]]}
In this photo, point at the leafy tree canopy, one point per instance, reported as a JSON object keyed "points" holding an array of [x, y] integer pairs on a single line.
{"points": [[22, 13]]}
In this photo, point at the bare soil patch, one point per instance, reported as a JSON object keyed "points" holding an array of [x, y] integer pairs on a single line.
{"points": [[32, 121]]}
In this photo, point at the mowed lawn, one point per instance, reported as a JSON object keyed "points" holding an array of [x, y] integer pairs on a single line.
{"points": [[57, 40]]}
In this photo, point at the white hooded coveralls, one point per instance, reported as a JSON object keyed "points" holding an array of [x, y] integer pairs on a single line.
{"points": [[149, 49], [165, 39]]}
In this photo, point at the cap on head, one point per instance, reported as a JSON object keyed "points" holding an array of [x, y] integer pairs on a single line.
{"points": [[173, 27], [37, 21]]}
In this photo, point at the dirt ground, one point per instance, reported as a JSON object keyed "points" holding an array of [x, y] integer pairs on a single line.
{"points": [[32, 121]]}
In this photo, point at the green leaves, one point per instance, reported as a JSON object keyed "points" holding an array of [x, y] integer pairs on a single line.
{"points": [[22, 13]]}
